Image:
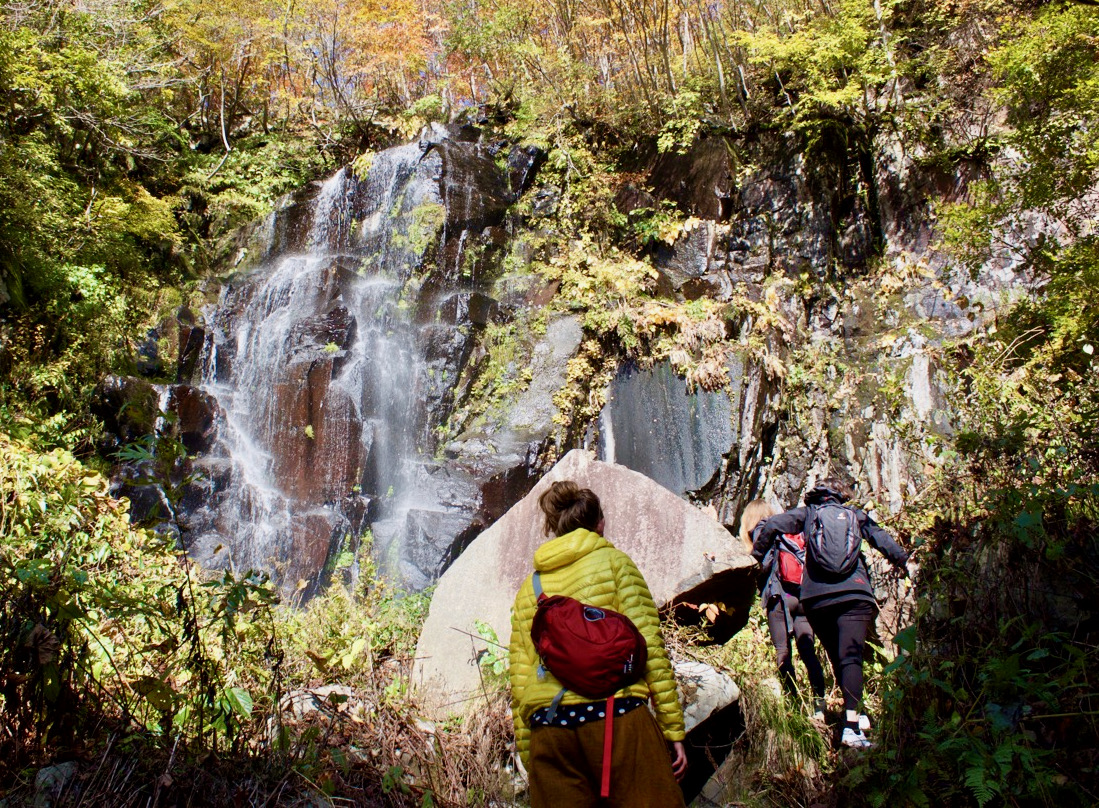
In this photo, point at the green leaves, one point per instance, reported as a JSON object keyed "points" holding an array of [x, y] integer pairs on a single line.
{"points": [[239, 701], [357, 647], [109, 615], [824, 63], [493, 658]]}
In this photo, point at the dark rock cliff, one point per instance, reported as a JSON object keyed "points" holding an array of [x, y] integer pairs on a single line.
{"points": [[315, 395]]}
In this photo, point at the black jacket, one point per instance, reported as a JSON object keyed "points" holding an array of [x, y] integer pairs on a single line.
{"points": [[816, 592]]}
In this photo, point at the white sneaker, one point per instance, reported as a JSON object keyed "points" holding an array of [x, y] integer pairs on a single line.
{"points": [[855, 740], [864, 723]]}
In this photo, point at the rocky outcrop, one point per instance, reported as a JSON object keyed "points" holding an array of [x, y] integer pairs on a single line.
{"points": [[355, 328], [318, 384], [129, 408], [671, 542], [822, 213]]}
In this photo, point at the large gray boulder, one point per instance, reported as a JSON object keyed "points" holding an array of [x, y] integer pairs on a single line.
{"points": [[677, 547]]}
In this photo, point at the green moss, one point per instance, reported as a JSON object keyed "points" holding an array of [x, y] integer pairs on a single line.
{"points": [[426, 221], [362, 164], [471, 258], [502, 374]]}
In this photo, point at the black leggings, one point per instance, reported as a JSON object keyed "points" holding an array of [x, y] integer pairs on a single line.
{"points": [[784, 621], [842, 630]]}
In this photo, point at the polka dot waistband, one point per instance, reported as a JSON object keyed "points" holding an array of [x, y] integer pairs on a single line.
{"points": [[576, 715]]}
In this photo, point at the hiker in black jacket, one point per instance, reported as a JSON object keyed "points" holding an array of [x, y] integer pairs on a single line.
{"points": [[840, 605], [786, 621]]}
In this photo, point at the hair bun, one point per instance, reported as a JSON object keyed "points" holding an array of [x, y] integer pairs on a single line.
{"points": [[567, 506]]}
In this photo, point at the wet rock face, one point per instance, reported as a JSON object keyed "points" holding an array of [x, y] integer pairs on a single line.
{"points": [[712, 447], [331, 332], [315, 536], [318, 453], [523, 165], [653, 425], [149, 502], [474, 191], [319, 379], [191, 340], [197, 414]]}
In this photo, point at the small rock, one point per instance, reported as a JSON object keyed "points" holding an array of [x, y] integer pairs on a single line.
{"points": [[545, 201], [51, 782], [704, 690], [330, 698]]}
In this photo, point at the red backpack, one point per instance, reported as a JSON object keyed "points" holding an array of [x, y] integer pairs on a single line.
{"points": [[591, 651], [791, 558]]}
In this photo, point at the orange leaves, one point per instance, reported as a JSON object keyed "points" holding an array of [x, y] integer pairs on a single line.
{"points": [[327, 59]]}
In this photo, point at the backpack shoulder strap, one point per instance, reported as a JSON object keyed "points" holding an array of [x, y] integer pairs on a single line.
{"points": [[540, 594], [536, 582]]}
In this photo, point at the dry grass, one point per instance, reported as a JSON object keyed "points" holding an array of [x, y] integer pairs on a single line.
{"points": [[333, 724], [370, 750], [782, 758]]}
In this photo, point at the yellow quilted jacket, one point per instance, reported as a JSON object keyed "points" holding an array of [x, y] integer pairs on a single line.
{"points": [[585, 566]]}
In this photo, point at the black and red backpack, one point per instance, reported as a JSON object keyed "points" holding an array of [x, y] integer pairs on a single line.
{"points": [[791, 558], [834, 540]]}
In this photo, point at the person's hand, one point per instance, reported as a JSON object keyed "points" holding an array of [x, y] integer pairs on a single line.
{"points": [[679, 760]]}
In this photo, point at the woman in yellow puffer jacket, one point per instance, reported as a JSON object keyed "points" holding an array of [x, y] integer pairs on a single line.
{"points": [[565, 760]]}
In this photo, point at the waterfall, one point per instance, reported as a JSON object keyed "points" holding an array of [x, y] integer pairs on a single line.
{"points": [[317, 363]]}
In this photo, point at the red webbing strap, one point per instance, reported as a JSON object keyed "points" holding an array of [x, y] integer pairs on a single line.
{"points": [[608, 735]]}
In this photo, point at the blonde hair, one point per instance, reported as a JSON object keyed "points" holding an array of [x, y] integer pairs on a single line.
{"points": [[754, 512]]}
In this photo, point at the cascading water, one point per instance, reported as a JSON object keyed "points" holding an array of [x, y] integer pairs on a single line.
{"points": [[325, 366]]}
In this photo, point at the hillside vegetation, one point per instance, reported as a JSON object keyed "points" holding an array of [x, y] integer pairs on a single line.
{"points": [[135, 136]]}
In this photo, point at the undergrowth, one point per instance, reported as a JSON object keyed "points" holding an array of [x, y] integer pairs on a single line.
{"points": [[991, 701], [781, 757], [136, 679]]}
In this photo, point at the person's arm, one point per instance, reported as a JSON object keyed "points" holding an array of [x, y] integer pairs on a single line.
{"points": [[881, 541], [522, 666], [679, 760], [637, 604], [791, 521]]}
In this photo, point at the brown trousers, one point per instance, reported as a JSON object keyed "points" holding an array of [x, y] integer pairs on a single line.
{"points": [[566, 766]]}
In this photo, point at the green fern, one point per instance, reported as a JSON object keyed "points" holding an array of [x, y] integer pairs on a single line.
{"points": [[977, 782]]}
